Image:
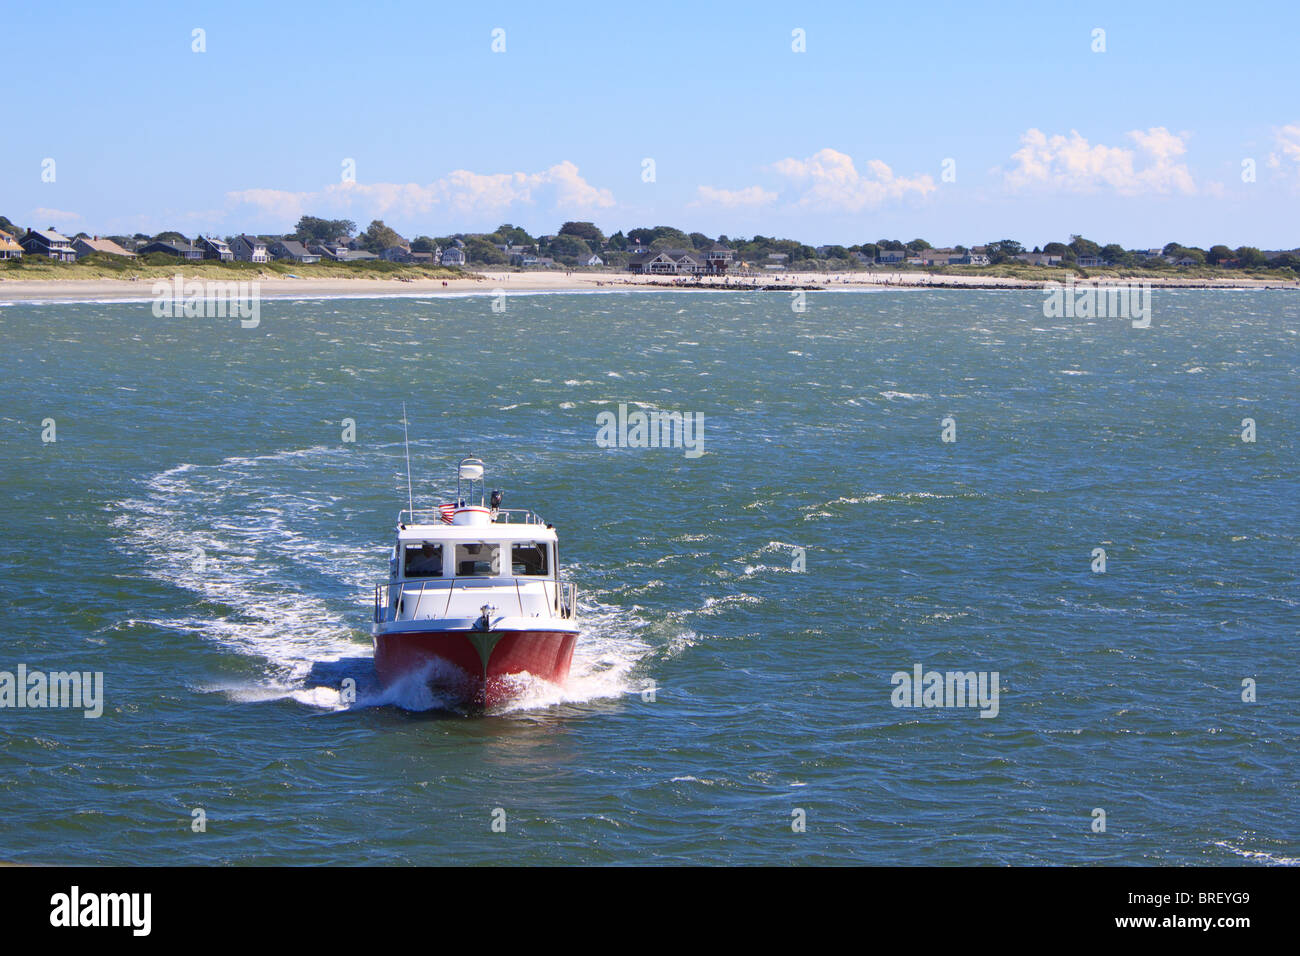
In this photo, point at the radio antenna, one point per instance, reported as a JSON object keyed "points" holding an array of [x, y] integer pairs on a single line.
{"points": [[406, 438]]}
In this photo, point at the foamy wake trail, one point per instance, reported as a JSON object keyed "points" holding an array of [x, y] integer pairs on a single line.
{"points": [[1259, 855], [259, 541]]}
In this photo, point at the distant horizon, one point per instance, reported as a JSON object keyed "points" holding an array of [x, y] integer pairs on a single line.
{"points": [[837, 123]]}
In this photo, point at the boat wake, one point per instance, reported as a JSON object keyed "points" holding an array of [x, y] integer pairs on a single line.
{"points": [[282, 570]]}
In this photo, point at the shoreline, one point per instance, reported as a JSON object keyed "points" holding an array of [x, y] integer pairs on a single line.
{"points": [[490, 282]]}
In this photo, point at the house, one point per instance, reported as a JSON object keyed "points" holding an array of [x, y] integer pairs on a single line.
{"points": [[453, 257], [248, 249], [969, 259], [687, 263], [396, 254], [1183, 261], [637, 262], [293, 250], [590, 260], [422, 258], [9, 248], [669, 262], [1092, 262], [179, 248], [889, 256], [214, 249], [48, 243], [337, 251], [1039, 258], [358, 255], [718, 260], [84, 247]]}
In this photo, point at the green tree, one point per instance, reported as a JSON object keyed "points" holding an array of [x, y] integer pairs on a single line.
{"points": [[918, 245], [585, 231], [668, 237], [1217, 254], [379, 237], [478, 250], [568, 247], [1248, 257], [510, 235], [1115, 253], [1084, 247], [1003, 249], [314, 229]]}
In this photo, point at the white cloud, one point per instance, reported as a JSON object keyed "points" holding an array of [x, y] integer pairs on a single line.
{"points": [[44, 216], [1071, 163], [462, 191], [830, 180], [1287, 153], [733, 198]]}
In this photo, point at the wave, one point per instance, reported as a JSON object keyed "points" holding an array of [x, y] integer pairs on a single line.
{"points": [[1260, 855]]}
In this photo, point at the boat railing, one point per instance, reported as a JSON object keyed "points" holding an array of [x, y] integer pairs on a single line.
{"points": [[387, 607], [567, 599], [500, 516]]}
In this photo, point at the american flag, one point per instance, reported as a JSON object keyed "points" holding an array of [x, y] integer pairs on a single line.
{"points": [[446, 511]]}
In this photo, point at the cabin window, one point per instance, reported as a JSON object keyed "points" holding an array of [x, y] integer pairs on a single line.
{"points": [[529, 558], [423, 560], [478, 559]]}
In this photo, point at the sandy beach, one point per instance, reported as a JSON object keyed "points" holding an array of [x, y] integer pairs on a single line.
{"points": [[487, 283]]}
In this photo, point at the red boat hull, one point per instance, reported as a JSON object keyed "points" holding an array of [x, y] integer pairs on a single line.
{"points": [[475, 670]]}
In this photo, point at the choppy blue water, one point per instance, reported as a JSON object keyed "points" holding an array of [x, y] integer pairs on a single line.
{"points": [[200, 533]]}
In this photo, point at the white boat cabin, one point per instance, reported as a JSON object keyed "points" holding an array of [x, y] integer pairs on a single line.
{"points": [[468, 557]]}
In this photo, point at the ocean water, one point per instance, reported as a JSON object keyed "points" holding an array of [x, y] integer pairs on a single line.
{"points": [[200, 533]]}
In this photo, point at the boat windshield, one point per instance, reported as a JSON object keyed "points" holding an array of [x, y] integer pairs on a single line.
{"points": [[475, 559], [423, 560], [478, 559], [530, 558]]}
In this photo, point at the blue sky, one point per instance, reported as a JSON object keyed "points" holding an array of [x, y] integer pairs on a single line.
{"points": [[846, 142]]}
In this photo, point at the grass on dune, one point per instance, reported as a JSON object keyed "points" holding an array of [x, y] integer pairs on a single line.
{"points": [[157, 265]]}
